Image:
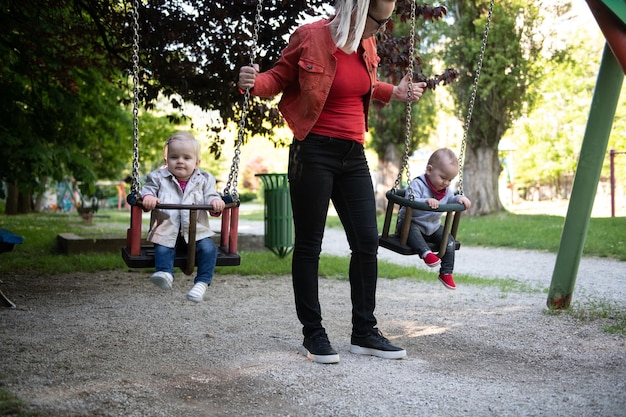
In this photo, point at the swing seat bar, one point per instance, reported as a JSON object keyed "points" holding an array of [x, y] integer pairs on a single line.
{"points": [[137, 256], [397, 242]]}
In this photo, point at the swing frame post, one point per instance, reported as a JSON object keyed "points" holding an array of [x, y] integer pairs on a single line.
{"points": [[595, 141], [230, 229], [406, 225], [133, 234], [191, 245], [387, 223]]}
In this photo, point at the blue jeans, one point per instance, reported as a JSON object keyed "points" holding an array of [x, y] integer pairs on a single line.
{"points": [[418, 241], [322, 169], [206, 255]]}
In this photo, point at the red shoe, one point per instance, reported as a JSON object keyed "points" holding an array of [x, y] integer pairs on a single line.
{"points": [[448, 281], [431, 260]]}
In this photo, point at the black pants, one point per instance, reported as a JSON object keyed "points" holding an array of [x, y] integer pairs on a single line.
{"points": [[322, 169]]}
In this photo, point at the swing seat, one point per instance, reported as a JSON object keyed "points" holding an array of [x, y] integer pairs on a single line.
{"points": [[137, 256], [145, 259], [394, 244], [397, 242]]}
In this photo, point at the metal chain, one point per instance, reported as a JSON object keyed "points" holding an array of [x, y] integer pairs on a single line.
{"points": [[231, 185], [134, 188], [407, 138], [470, 108]]}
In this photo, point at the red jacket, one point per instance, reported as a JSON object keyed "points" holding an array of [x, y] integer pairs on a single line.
{"points": [[305, 73]]}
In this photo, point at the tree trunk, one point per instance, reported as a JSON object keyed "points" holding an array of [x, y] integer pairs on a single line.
{"points": [[38, 204], [481, 170], [17, 202], [12, 193], [388, 168]]}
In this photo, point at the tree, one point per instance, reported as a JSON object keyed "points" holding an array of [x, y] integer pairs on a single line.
{"points": [[60, 53], [64, 96], [511, 65], [60, 113], [548, 142], [194, 49]]}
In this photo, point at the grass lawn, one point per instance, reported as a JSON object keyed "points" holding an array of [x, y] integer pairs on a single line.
{"points": [[606, 237]]}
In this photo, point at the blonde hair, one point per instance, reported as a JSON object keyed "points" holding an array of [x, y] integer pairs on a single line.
{"points": [[443, 156], [182, 136], [350, 18]]}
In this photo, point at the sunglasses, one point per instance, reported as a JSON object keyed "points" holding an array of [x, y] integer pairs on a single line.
{"points": [[381, 24]]}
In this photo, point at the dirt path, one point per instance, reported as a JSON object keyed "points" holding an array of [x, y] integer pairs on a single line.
{"points": [[112, 344]]}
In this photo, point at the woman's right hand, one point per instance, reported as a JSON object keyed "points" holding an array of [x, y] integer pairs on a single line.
{"points": [[247, 75]]}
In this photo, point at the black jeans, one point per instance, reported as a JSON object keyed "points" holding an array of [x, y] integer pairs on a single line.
{"points": [[323, 169], [417, 240]]}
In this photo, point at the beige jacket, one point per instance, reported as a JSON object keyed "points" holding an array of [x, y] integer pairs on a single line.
{"points": [[165, 225]]}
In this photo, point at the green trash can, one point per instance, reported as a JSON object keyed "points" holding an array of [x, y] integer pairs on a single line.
{"points": [[279, 235]]}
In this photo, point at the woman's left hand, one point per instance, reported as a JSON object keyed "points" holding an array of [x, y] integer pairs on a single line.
{"points": [[401, 91]]}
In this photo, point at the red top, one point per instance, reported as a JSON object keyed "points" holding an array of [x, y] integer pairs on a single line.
{"points": [[305, 73], [343, 115]]}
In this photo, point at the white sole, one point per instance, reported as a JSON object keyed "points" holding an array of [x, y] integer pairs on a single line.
{"points": [[385, 354], [319, 358]]}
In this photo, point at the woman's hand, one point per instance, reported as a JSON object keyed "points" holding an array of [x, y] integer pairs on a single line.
{"points": [[247, 75], [401, 91]]}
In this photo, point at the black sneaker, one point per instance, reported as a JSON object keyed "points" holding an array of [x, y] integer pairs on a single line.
{"points": [[318, 349], [376, 344]]}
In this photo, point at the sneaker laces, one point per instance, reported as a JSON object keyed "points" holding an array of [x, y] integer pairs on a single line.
{"points": [[321, 341], [378, 335]]}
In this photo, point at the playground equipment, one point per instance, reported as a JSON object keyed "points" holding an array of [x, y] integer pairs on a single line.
{"points": [[397, 242], [611, 17], [137, 256], [612, 154]]}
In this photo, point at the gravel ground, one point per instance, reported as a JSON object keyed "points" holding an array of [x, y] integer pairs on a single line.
{"points": [[112, 344]]}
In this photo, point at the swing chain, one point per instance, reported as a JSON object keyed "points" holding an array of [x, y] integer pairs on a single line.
{"points": [[473, 97], [407, 138], [231, 185], [134, 188]]}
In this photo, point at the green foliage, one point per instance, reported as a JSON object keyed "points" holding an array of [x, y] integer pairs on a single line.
{"points": [[548, 141], [542, 232], [206, 43], [388, 123], [510, 64], [60, 112], [247, 196]]}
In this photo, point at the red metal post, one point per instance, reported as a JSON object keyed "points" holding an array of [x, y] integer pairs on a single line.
{"points": [[225, 228], [234, 230], [612, 164], [133, 235]]}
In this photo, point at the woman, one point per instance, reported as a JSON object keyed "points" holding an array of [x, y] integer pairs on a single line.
{"points": [[327, 77]]}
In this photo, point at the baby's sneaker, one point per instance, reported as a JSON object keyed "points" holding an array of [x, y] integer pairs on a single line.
{"points": [[162, 280], [196, 294], [448, 281], [431, 260]]}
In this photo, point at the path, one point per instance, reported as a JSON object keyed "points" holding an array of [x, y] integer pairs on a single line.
{"points": [[601, 277]]}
